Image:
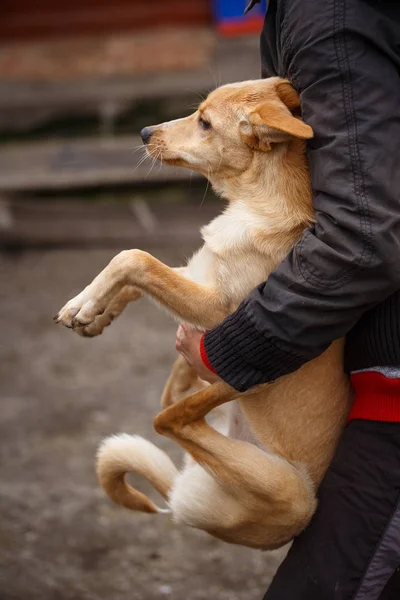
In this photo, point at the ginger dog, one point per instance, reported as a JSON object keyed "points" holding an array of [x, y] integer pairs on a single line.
{"points": [[252, 479]]}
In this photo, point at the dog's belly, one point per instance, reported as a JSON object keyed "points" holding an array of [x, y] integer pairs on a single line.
{"points": [[239, 427], [229, 420]]}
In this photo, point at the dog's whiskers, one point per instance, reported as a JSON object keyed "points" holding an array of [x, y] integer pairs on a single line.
{"points": [[202, 98], [147, 155], [161, 161], [141, 161], [137, 148], [193, 106], [220, 161], [216, 83], [206, 190], [155, 158]]}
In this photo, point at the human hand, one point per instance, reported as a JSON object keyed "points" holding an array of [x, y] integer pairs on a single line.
{"points": [[188, 344]]}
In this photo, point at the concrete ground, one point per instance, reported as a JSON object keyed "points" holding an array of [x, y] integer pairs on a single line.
{"points": [[60, 537]]}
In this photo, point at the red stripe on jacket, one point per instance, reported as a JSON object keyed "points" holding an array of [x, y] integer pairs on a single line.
{"points": [[204, 356], [377, 398]]}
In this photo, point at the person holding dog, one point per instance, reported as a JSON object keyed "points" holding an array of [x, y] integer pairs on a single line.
{"points": [[342, 278]]}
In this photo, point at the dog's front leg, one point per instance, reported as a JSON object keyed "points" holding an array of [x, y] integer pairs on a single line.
{"points": [[187, 300]]}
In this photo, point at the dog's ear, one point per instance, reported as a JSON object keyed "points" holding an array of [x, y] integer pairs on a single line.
{"points": [[274, 120], [287, 94]]}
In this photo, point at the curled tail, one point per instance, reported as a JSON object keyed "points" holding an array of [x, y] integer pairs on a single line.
{"points": [[122, 454]]}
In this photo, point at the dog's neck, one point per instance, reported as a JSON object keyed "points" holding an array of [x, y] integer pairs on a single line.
{"points": [[276, 184]]}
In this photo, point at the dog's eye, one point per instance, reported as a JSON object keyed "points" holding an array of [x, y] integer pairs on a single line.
{"points": [[204, 124]]}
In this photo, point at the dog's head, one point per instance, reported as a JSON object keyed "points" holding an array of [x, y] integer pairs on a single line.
{"points": [[234, 122]]}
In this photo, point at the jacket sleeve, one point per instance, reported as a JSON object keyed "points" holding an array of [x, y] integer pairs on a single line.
{"points": [[350, 260]]}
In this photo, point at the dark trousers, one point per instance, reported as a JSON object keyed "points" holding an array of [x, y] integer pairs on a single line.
{"points": [[351, 549]]}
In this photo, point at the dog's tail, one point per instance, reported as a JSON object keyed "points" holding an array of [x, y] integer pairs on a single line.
{"points": [[122, 454]]}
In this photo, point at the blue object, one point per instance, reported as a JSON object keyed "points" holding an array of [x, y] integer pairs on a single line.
{"points": [[234, 9]]}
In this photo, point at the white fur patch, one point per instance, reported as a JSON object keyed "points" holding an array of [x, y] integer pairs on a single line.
{"points": [[198, 500]]}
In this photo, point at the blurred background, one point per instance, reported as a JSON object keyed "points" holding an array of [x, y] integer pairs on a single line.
{"points": [[78, 80]]}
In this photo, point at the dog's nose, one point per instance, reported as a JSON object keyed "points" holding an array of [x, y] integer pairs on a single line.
{"points": [[146, 134]]}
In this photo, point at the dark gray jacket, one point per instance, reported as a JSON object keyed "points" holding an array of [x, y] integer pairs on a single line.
{"points": [[344, 58]]}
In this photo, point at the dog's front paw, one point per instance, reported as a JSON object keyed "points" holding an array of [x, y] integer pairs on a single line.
{"points": [[96, 328], [80, 313]]}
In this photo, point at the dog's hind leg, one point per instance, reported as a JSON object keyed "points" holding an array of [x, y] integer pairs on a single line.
{"points": [[182, 382], [247, 495]]}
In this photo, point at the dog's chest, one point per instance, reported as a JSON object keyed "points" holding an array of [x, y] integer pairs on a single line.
{"points": [[229, 258]]}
